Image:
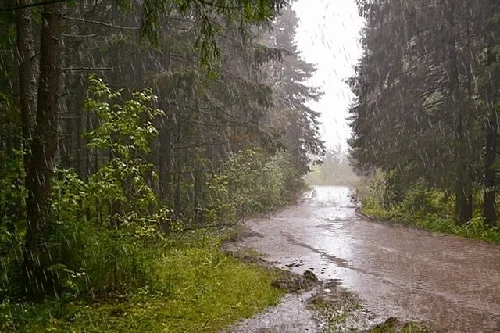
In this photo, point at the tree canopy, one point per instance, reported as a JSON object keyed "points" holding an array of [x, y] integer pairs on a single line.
{"points": [[426, 106], [126, 120]]}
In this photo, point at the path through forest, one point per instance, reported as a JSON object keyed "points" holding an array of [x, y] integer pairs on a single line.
{"points": [[453, 284]]}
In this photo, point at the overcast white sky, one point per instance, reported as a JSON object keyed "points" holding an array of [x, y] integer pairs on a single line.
{"points": [[328, 36]]}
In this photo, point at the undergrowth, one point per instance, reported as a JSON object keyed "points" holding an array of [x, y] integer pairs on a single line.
{"points": [[474, 229], [198, 288], [423, 208], [117, 255]]}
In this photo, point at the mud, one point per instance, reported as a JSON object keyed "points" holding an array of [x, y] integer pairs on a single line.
{"points": [[291, 315], [449, 283]]}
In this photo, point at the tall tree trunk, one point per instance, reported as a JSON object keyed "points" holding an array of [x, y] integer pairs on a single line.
{"points": [[27, 74], [39, 171], [198, 196], [463, 180], [489, 208], [178, 180], [79, 149]]}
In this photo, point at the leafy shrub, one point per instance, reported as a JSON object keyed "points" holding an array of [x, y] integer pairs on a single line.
{"points": [[428, 209], [251, 182], [106, 227]]}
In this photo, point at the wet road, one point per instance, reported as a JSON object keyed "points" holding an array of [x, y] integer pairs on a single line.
{"points": [[449, 282]]}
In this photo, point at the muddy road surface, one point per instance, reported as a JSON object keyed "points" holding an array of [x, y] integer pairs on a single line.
{"points": [[450, 283]]}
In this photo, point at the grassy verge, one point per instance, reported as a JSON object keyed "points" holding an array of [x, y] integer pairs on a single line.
{"points": [[199, 289], [474, 229]]}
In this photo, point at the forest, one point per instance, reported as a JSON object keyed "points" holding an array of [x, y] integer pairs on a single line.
{"points": [[425, 118], [136, 136], [133, 136]]}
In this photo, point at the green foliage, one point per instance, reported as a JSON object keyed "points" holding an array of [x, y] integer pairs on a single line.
{"points": [[106, 239], [124, 132], [199, 289], [371, 195], [335, 169], [108, 232], [242, 12], [252, 182], [106, 226], [436, 131], [125, 128], [423, 208]]}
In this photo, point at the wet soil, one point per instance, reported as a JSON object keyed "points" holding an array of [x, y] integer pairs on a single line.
{"points": [[450, 283]]}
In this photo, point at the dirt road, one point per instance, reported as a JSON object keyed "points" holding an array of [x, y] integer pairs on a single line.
{"points": [[453, 284]]}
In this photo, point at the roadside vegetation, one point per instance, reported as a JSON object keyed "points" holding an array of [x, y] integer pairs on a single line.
{"points": [[189, 285], [425, 117], [428, 209]]}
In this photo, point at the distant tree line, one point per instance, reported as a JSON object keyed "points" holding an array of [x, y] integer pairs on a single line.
{"points": [[335, 169], [428, 100]]}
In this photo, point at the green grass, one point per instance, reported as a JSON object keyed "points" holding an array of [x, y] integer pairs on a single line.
{"points": [[200, 289], [474, 229]]}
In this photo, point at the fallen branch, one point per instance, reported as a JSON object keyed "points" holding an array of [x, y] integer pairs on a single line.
{"points": [[106, 24], [74, 69]]}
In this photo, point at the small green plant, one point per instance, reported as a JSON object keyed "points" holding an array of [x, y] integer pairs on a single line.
{"points": [[424, 208]]}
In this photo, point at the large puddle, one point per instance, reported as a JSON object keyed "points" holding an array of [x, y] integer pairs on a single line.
{"points": [[451, 283]]}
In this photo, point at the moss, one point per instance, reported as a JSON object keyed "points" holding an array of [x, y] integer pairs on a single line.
{"points": [[393, 325], [336, 307]]}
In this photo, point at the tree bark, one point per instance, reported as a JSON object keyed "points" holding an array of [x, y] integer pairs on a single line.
{"points": [[165, 163], [489, 208], [463, 180], [39, 172], [27, 74]]}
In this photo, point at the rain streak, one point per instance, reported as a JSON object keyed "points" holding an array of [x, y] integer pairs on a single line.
{"points": [[249, 166]]}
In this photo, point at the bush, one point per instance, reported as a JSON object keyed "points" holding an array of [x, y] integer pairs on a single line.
{"points": [[429, 209], [110, 251], [106, 228], [251, 182]]}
